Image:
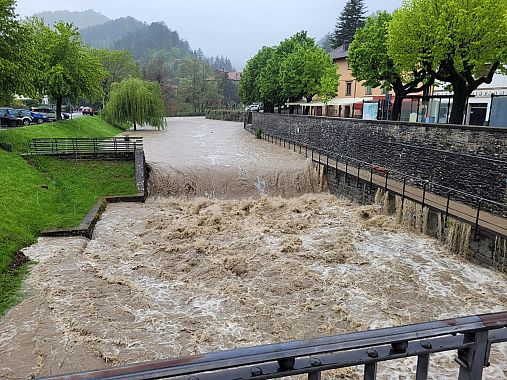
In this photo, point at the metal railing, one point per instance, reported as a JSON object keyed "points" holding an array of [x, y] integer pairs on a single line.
{"points": [[352, 167], [85, 146], [471, 338]]}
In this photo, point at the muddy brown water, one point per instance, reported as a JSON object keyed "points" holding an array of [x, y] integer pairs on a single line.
{"points": [[184, 275]]}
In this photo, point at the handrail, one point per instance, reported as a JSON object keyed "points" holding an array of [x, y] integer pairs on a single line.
{"points": [[396, 174], [472, 336], [78, 146]]}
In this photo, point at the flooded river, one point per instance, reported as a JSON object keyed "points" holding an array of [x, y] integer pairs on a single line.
{"points": [[184, 275]]}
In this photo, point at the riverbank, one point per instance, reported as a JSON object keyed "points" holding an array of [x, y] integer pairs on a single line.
{"points": [[40, 193]]}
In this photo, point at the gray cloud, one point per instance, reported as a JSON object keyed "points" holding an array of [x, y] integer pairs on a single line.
{"points": [[237, 29]]}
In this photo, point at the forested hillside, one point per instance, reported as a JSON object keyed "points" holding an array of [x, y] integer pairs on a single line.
{"points": [[104, 36]]}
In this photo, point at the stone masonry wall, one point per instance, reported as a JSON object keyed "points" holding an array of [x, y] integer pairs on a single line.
{"points": [[470, 159]]}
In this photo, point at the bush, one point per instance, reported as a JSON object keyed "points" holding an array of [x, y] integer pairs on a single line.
{"points": [[258, 133], [226, 115]]}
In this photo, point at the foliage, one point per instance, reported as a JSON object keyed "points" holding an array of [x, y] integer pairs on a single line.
{"points": [[226, 115], [297, 68], [325, 42], [308, 71], [221, 62], [16, 61], [249, 86], [258, 133], [351, 18], [119, 65], [67, 68], [371, 63], [148, 38], [459, 42], [137, 102], [104, 36]]}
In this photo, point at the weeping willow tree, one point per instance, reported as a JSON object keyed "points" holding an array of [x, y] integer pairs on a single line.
{"points": [[136, 102]]}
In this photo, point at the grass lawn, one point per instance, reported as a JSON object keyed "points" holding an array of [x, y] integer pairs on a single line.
{"points": [[86, 126], [40, 193]]}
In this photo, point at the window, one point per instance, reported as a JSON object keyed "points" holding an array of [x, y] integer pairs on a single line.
{"points": [[348, 91], [369, 90]]}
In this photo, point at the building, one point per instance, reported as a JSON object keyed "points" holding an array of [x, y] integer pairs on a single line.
{"points": [[351, 96]]}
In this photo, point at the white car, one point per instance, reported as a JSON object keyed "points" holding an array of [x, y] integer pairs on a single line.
{"points": [[253, 108]]}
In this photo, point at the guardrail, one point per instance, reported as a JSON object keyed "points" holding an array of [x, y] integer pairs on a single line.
{"points": [[471, 337], [85, 146], [483, 213]]}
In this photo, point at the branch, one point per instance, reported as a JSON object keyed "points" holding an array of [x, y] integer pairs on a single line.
{"points": [[488, 78]]}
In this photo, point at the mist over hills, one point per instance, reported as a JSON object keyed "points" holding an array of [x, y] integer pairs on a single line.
{"points": [[128, 33], [82, 20]]}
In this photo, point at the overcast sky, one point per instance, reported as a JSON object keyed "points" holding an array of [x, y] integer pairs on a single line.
{"points": [[236, 29]]}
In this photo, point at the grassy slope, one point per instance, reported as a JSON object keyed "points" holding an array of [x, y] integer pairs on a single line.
{"points": [[19, 138], [43, 193]]}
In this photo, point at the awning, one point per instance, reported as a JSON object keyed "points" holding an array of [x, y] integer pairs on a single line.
{"points": [[332, 102]]}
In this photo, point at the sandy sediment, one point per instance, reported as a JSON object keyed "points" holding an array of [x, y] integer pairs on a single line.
{"points": [[184, 276]]}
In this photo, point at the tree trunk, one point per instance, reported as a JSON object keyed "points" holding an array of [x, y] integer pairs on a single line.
{"points": [[135, 125], [459, 101], [59, 102], [398, 102]]}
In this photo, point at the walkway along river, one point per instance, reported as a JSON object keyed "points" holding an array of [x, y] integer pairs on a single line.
{"points": [[216, 259]]}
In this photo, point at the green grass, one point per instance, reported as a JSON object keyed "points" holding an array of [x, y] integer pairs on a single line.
{"points": [[86, 126], [41, 193]]}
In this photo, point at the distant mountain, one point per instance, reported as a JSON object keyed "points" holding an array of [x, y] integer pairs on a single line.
{"points": [[105, 36], [81, 20], [149, 38]]}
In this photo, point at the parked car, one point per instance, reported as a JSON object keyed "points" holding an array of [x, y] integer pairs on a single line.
{"points": [[255, 107], [8, 118], [45, 111], [33, 117], [89, 111]]}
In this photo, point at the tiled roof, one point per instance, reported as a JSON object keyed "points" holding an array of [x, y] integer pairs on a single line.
{"points": [[234, 76], [340, 52]]}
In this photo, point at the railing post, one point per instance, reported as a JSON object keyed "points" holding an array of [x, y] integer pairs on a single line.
{"points": [[424, 194], [314, 376], [346, 171], [403, 193], [306, 151], [472, 360], [358, 173], [371, 180], [370, 371], [423, 363], [476, 231], [447, 206]]}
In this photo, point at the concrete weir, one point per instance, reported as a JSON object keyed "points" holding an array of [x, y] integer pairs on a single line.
{"points": [[214, 260]]}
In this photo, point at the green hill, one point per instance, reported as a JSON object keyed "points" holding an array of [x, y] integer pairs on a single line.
{"points": [[105, 35]]}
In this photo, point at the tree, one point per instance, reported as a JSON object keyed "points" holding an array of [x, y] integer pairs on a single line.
{"points": [[67, 68], [249, 86], [459, 42], [118, 64], [370, 62], [270, 86], [302, 73], [137, 102], [352, 17], [16, 62]]}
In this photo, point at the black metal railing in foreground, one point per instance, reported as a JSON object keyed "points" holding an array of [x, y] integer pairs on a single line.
{"points": [[85, 146], [471, 338]]}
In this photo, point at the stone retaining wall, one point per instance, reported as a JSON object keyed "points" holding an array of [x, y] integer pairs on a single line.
{"points": [[470, 159]]}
